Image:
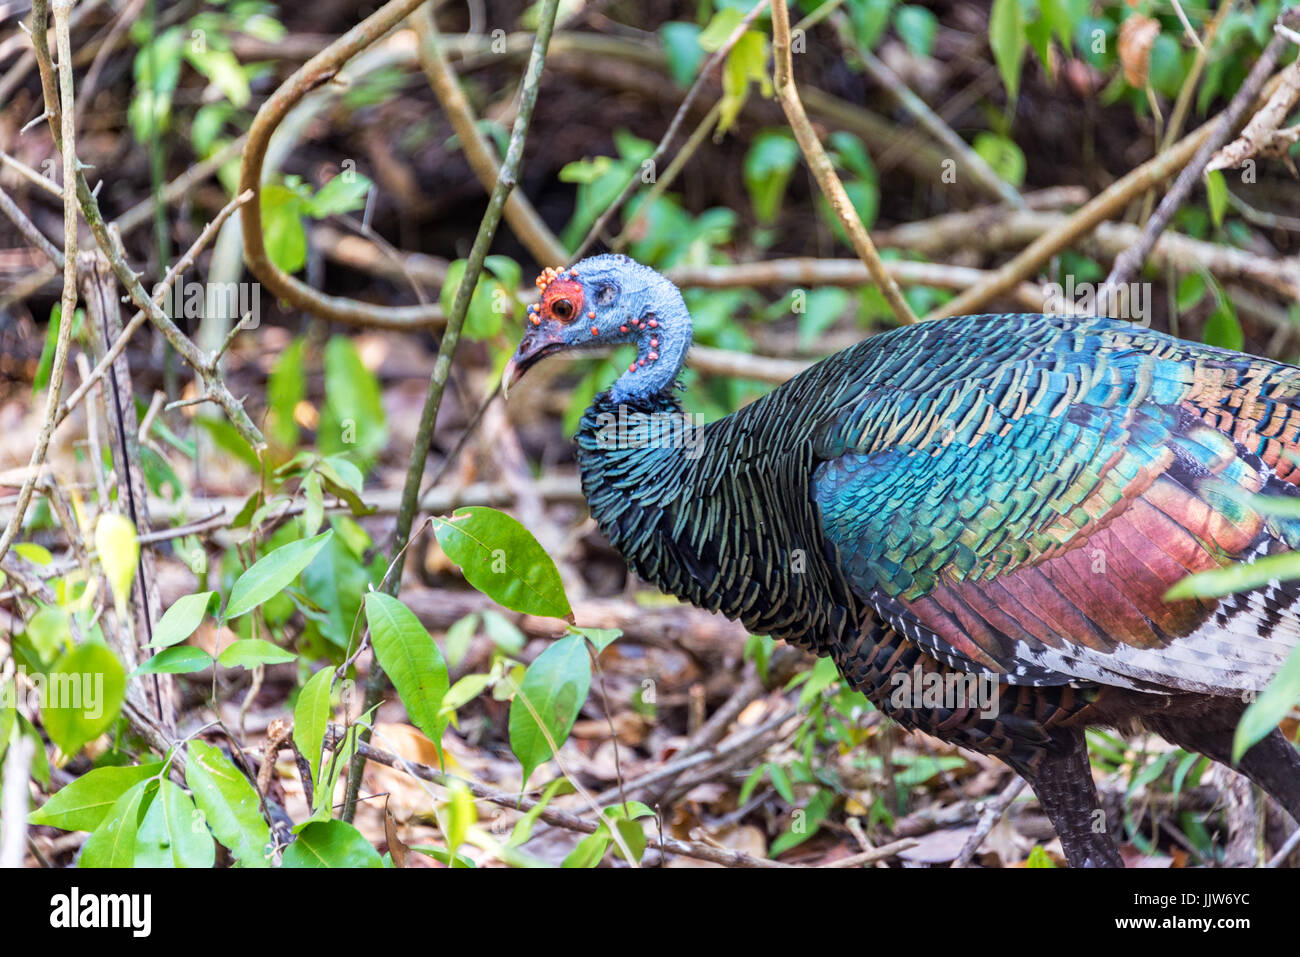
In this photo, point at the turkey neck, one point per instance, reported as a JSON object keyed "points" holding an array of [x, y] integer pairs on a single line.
{"points": [[716, 515]]}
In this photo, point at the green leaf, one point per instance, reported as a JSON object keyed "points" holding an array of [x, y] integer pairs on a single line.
{"points": [[119, 553], [746, 63], [314, 511], [352, 420], [1191, 290], [221, 67], [1008, 39], [1216, 192], [870, 17], [589, 850], [916, 26], [251, 652], [1237, 577], [282, 231], [169, 835], [113, 842], [83, 696], [1003, 156], [285, 388], [49, 631], [344, 193], [523, 828], [1038, 857], [183, 618], [1222, 328], [722, 25], [82, 804], [681, 43], [1267, 711], [601, 638], [556, 686], [175, 661], [769, 164], [331, 844], [463, 691], [272, 574], [501, 559], [229, 804], [411, 660], [311, 717]]}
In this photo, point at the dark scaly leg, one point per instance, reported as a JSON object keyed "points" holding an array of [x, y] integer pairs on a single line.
{"points": [[1062, 780]]}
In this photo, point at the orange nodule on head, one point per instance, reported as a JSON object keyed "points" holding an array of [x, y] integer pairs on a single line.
{"points": [[561, 295]]}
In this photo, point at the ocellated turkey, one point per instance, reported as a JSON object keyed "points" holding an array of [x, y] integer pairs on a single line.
{"points": [[1005, 495]]}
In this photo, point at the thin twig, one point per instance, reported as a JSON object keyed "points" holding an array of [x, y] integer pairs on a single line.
{"points": [[549, 814], [447, 347], [1130, 261], [822, 168], [679, 117], [68, 307], [523, 219]]}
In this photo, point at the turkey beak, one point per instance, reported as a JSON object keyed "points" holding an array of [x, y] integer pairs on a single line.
{"points": [[534, 347]]}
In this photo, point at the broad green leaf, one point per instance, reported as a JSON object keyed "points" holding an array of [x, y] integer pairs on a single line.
{"points": [[1267, 711], [601, 638], [49, 632], [331, 844], [746, 63], [251, 652], [458, 815], [82, 804], [272, 574], [411, 660], [221, 67], [344, 193], [113, 842], [523, 828], [916, 26], [183, 618], [1222, 328], [464, 691], [556, 686], [769, 164], [36, 554], [183, 660], [311, 717], [720, 28], [353, 419], [83, 696], [314, 511], [282, 230], [501, 559], [119, 552], [1191, 290], [589, 850], [1008, 39], [1237, 578], [286, 386], [171, 835], [681, 43], [1003, 156], [229, 804]]}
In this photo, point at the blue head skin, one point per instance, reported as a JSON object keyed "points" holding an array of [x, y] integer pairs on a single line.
{"points": [[609, 300]]}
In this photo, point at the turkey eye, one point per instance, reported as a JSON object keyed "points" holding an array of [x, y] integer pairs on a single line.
{"points": [[563, 309]]}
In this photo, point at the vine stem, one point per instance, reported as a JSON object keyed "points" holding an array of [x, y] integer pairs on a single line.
{"points": [[68, 302], [447, 351], [822, 168]]}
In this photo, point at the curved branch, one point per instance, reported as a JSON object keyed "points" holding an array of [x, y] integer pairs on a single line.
{"points": [[822, 168], [318, 70]]}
